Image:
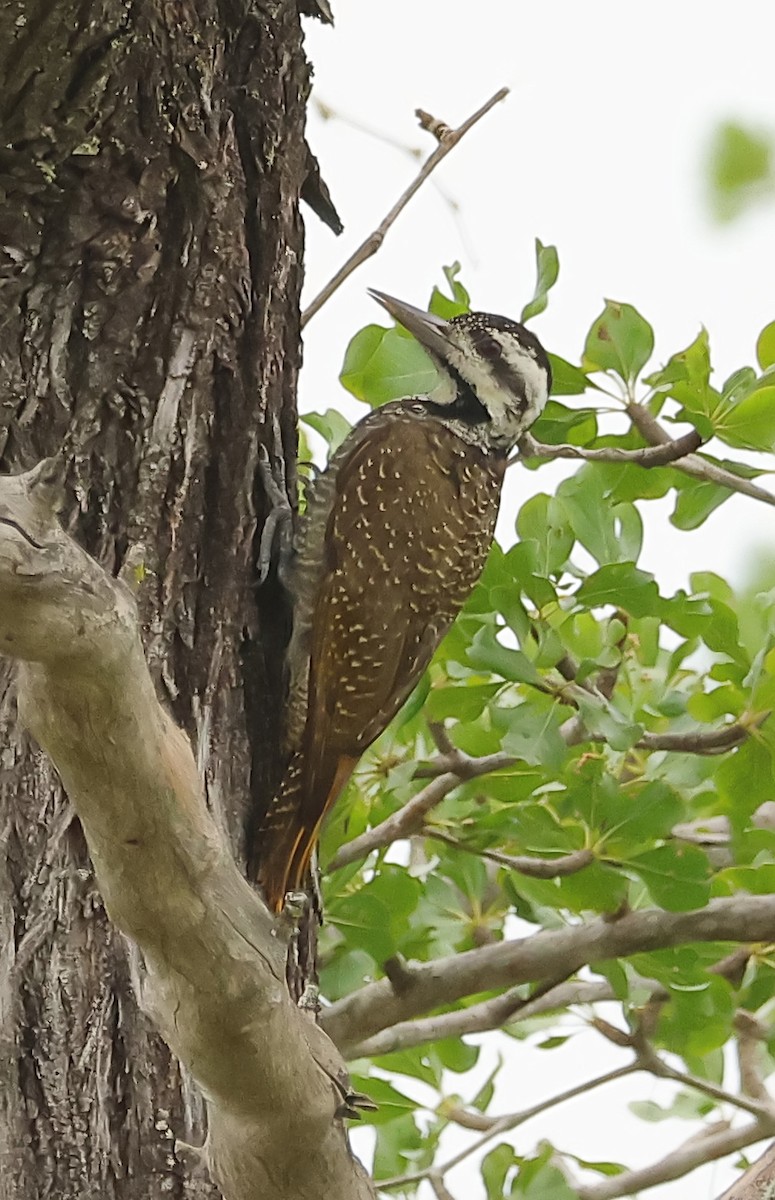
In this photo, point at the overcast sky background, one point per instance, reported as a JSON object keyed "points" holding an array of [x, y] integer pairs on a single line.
{"points": [[599, 150]]}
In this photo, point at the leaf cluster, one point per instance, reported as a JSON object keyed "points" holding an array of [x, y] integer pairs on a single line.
{"points": [[627, 721]]}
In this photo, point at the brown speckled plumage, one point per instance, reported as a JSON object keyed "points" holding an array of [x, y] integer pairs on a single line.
{"points": [[396, 534]]}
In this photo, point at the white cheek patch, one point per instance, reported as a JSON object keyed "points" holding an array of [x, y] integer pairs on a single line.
{"points": [[445, 390], [511, 411]]}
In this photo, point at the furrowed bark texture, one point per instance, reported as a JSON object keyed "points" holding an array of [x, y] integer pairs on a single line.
{"points": [[150, 258]]}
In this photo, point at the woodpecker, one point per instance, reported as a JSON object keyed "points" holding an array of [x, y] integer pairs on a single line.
{"points": [[395, 535]]}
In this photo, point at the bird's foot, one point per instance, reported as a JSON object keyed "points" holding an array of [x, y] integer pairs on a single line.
{"points": [[276, 543]]}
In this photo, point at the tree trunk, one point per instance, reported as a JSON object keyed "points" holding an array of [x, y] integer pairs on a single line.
{"points": [[151, 251]]}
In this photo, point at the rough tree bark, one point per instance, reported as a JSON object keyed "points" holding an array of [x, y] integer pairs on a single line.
{"points": [[150, 255]]}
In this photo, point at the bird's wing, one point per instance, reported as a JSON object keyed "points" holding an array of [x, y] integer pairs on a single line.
{"points": [[403, 553]]}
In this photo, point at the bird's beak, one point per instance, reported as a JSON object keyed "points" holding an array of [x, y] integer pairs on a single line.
{"points": [[431, 331]]}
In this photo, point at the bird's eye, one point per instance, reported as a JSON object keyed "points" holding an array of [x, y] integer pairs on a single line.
{"points": [[488, 347]]}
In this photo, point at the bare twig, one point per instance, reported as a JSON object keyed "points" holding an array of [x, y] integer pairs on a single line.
{"points": [[440, 1190], [449, 769], [690, 741], [702, 741], [505, 1123], [650, 1061], [649, 456], [535, 868], [441, 738], [373, 242], [711, 1144], [464, 766], [506, 1009], [750, 1036], [328, 113], [404, 823], [694, 464], [466, 1118]]}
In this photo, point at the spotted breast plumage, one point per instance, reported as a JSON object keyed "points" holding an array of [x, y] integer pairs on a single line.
{"points": [[396, 534]]}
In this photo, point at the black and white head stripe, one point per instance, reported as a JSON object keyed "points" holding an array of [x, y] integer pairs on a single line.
{"points": [[493, 374], [506, 368], [482, 330]]}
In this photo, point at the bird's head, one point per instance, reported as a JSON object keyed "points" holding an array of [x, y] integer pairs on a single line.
{"points": [[493, 372]]}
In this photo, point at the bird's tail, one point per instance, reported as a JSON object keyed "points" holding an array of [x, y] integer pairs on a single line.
{"points": [[289, 831]]}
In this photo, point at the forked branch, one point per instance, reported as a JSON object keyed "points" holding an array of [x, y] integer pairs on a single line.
{"points": [[214, 966]]}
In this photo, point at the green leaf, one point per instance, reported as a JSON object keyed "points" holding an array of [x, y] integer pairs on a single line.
{"points": [[646, 814], [460, 302], [558, 423], [552, 1043], [415, 703], [765, 347], [343, 971], [739, 384], [386, 364], [686, 377], [750, 424], [392, 1103], [676, 876], [399, 1145], [481, 1101], [540, 1179], [375, 918], [464, 701], [695, 501], [623, 585], [698, 1020], [620, 340], [416, 1063], [495, 1168], [487, 654], [690, 1106], [455, 1054], [533, 734], [567, 380], [601, 1166], [331, 426], [547, 270], [526, 560], [544, 521], [604, 720], [610, 532], [740, 169], [758, 881]]}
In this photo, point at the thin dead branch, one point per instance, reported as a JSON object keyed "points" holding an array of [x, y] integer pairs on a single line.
{"points": [[372, 243]]}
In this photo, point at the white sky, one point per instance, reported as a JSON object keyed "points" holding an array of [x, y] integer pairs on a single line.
{"points": [[598, 150]]}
